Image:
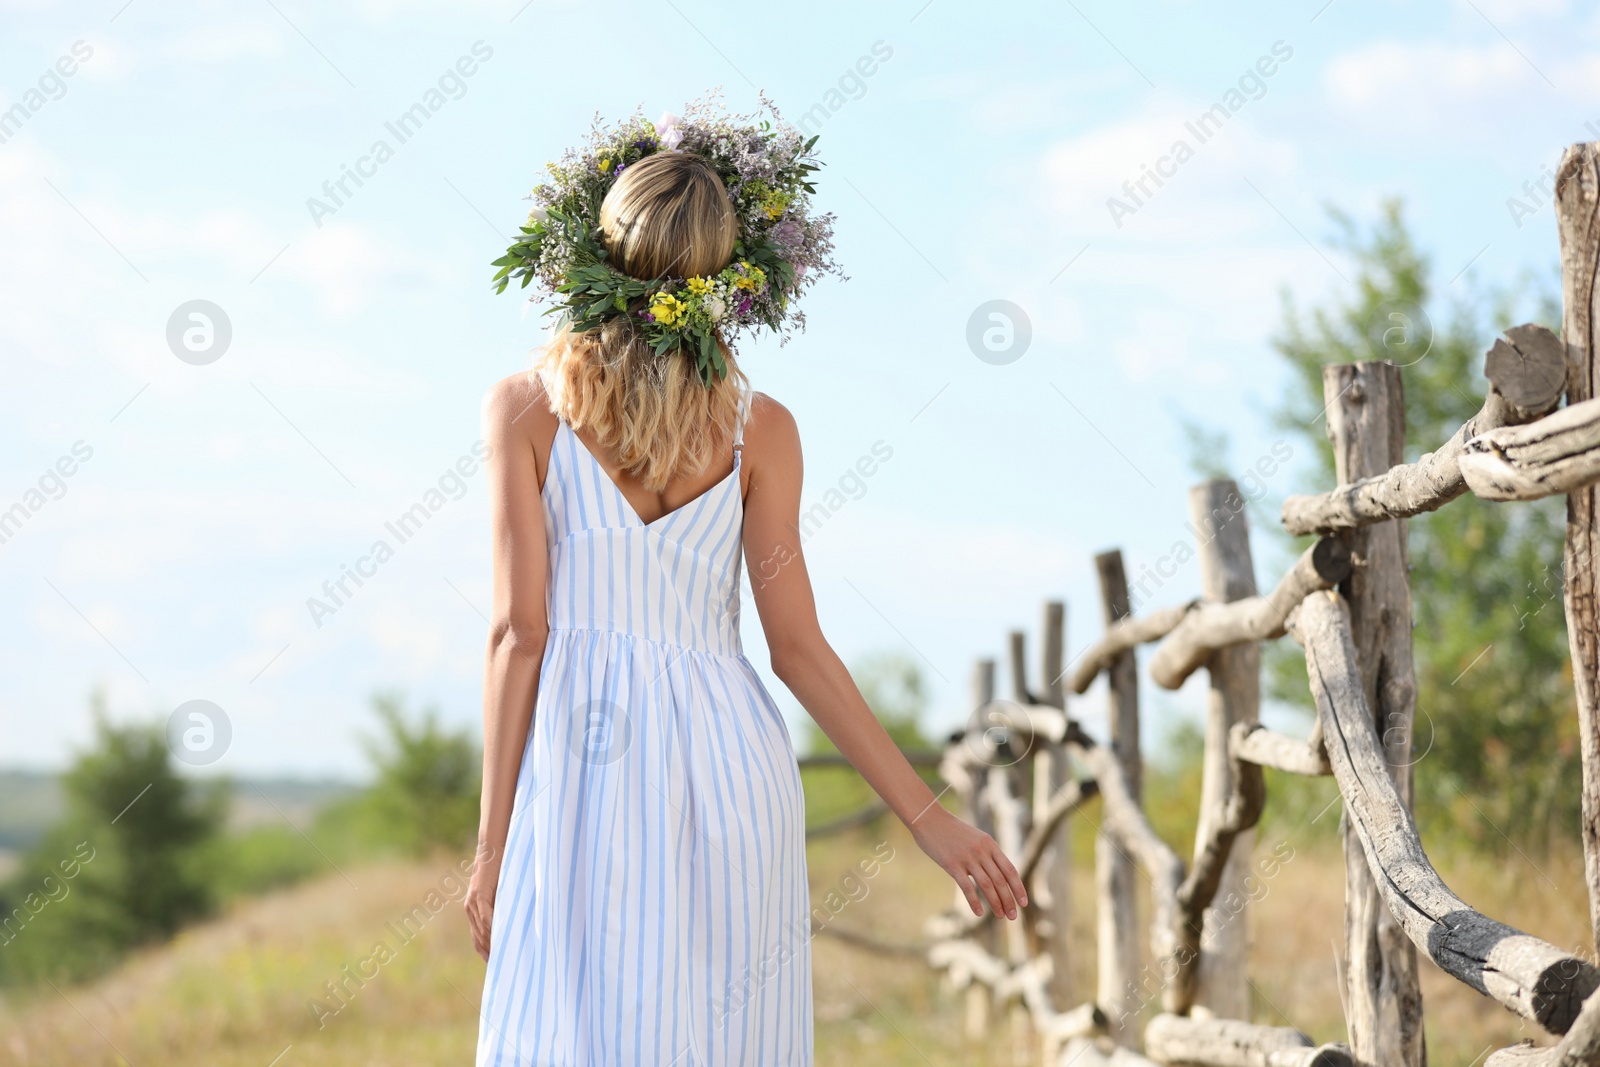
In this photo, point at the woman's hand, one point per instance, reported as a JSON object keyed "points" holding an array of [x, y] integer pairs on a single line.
{"points": [[479, 902], [973, 859]]}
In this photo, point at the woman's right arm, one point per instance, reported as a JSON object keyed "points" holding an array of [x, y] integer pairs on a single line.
{"points": [[518, 627], [805, 662]]}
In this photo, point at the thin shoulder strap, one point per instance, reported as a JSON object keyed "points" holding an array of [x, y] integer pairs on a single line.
{"points": [[744, 413]]}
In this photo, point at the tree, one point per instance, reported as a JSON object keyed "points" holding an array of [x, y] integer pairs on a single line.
{"points": [[127, 866], [1496, 735], [427, 790]]}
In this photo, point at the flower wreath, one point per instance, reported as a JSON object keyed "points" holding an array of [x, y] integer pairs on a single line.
{"points": [[781, 248]]}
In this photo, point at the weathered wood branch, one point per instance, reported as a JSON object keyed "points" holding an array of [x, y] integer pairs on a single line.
{"points": [[1527, 371], [967, 961], [1188, 1042], [1256, 744], [1222, 842], [1031, 721], [1122, 637], [1240, 811], [869, 942], [1208, 626], [1115, 875], [1086, 1020], [1063, 802], [855, 819], [965, 774], [1579, 1048], [1049, 878], [1082, 1052], [834, 759], [1366, 420], [1558, 454], [1124, 822], [1530, 977], [968, 965], [1578, 223]]}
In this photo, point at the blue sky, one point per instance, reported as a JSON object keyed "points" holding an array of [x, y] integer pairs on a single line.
{"points": [[975, 163]]}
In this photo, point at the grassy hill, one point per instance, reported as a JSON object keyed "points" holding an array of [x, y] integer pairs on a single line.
{"points": [[237, 992]]}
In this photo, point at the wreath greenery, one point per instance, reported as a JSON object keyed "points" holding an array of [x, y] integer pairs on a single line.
{"points": [[781, 249]]}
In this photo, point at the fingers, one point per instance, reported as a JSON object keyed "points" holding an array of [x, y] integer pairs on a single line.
{"points": [[992, 873], [974, 901], [994, 888], [479, 925], [1019, 892]]}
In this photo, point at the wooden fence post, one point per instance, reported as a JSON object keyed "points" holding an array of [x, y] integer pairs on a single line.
{"points": [[978, 813], [1013, 809], [1052, 879], [1577, 215], [1366, 423], [1226, 573], [1117, 917]]}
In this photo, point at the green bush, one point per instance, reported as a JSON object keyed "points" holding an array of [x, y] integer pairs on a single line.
{"points": [[128, 865], [426, 792]]}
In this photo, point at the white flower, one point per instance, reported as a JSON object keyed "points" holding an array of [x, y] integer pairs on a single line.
{"points": [[715, 308], [538, 214], [669, 131]]}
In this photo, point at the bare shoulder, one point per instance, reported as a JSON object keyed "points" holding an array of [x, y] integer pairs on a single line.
{"points": [[517, 403], [770, 430]]}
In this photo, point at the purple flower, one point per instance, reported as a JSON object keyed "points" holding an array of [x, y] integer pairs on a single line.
{"points": [[744, 306]]}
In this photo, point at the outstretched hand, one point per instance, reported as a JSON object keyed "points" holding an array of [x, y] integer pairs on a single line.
{"points": [[973, 859]]}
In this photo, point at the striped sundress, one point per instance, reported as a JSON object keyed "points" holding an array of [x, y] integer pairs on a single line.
{"points": [[652, 908]]}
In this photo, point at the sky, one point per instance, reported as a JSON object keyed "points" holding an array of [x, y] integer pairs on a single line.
{"points": [[184, 498]]}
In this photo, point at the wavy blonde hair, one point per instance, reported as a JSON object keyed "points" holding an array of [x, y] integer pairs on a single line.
{"points": [[668, 215]]}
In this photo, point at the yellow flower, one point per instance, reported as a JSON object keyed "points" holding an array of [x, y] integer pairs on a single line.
{"points": [[774, 204], [752, 279], [667, 309], [605, 166], [699, 286]]}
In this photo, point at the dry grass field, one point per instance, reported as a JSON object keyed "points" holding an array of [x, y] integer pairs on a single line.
{"points": [[236, 992]]}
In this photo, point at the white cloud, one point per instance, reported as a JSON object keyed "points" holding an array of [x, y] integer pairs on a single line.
{"points": [[1423, 78], [1434, 86], [1203, 195], [113, 60]]}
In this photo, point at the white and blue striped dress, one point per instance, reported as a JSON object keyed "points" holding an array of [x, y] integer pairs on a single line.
{"points": [[653, 908]]}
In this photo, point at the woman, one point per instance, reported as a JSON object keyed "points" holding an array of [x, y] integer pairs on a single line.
{"points": [[640, 893]]}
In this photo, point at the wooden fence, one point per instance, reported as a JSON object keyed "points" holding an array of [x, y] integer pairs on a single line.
{"points": [[1022, 766]]}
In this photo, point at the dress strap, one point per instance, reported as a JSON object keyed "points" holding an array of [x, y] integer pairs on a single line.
{"points": [[744, 413]]}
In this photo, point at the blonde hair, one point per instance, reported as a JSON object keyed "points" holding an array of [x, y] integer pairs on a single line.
{"points": [[668, 215]]}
